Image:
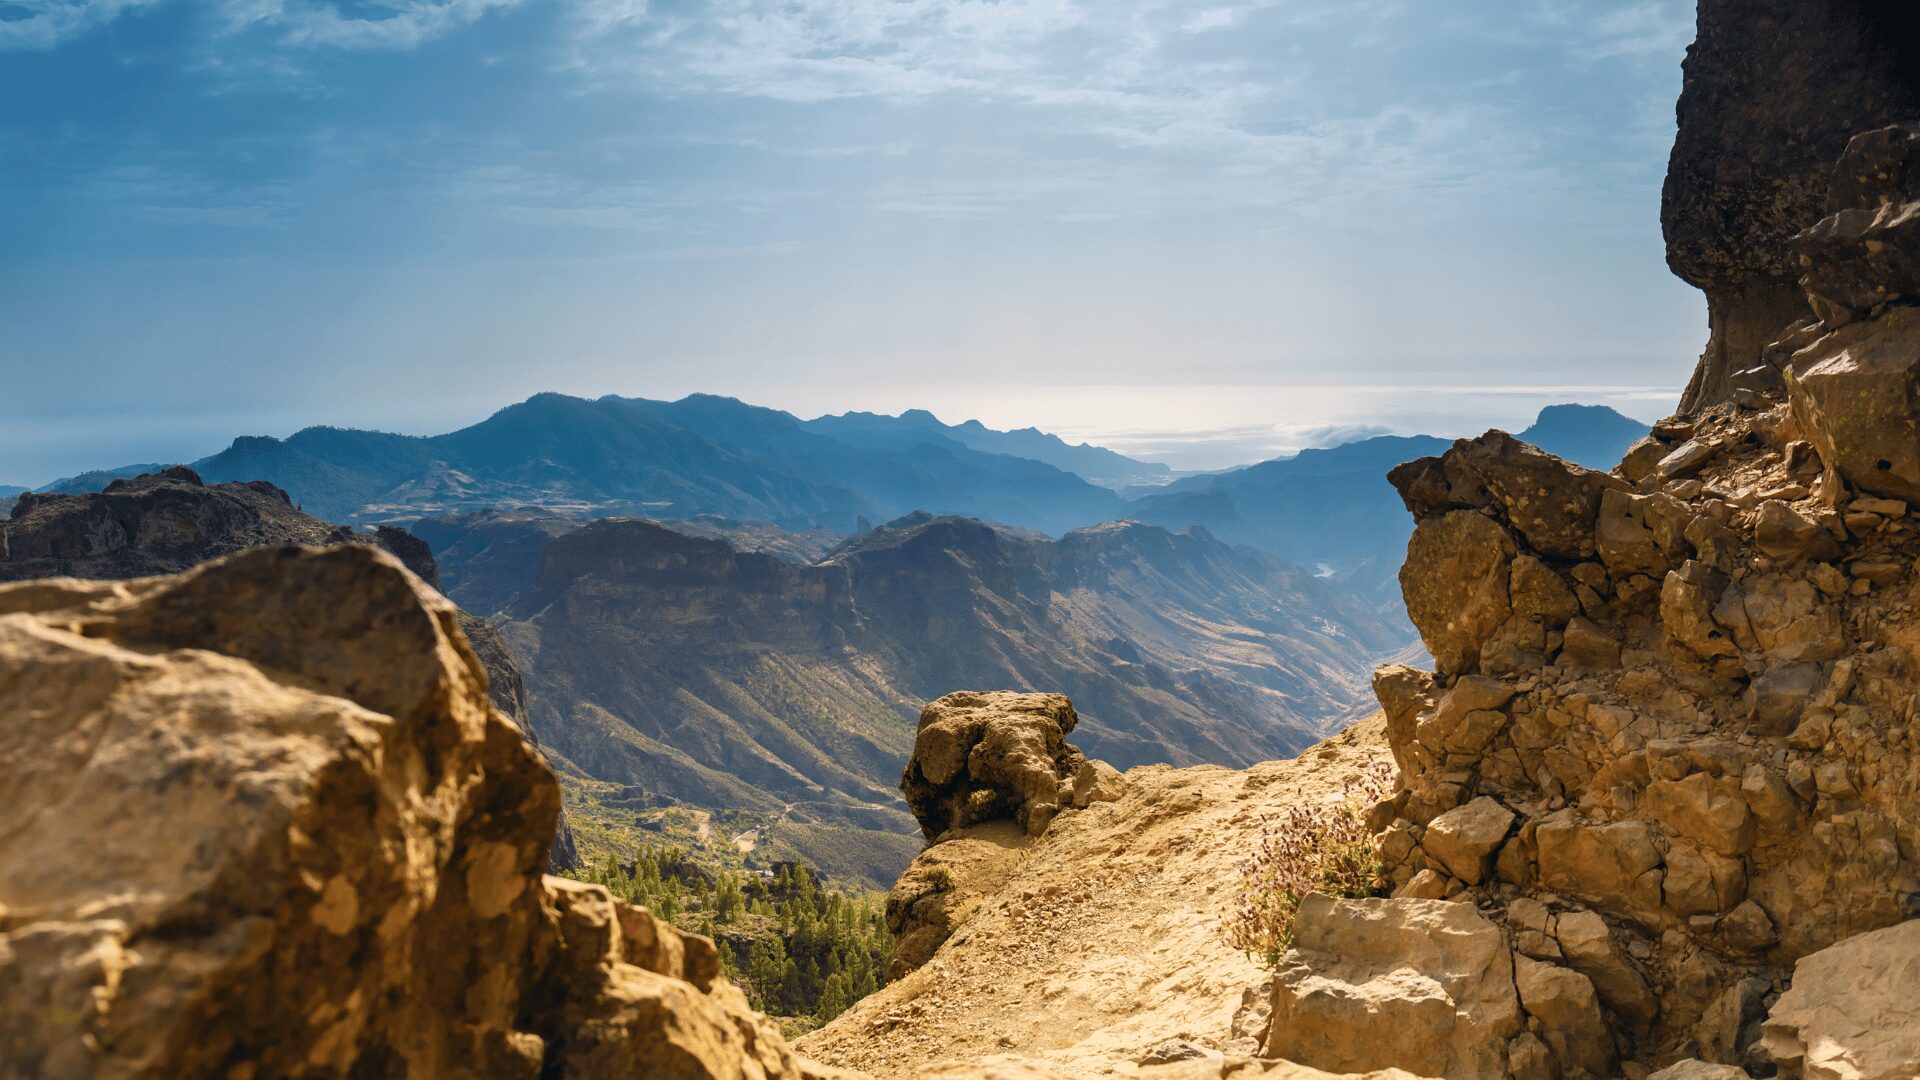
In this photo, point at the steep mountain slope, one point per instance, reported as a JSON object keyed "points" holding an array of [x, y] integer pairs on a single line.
{"points": [[682, 667], [915, 426]]}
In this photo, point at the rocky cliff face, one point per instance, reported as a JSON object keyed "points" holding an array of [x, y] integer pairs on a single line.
{"points": [[1773, 91], [1669, 744], [376, 908], [170, 520]]}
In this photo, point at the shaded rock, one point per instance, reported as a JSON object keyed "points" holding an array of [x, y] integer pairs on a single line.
{"points": [[981, 756], [1866, 252], [314, 848], [1423, 985], [1772, 93], [1587, 645], [1564, 1003], [1615, 866], [1853, 1011], [943, 886], [1783, 533], [1687, 599], [1589, 948]]}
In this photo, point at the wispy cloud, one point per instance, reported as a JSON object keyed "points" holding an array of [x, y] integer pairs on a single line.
{"points": [[45, 24], [376, 24]]}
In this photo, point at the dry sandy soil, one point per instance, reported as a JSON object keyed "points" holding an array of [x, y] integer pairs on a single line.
{"points": [[1106, 940]]}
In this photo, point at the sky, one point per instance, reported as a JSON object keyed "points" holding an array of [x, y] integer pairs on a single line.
{"points": [[1203, 232]]}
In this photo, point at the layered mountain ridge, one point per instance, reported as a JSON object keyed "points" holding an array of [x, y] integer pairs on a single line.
{"points": [[684, 668]]}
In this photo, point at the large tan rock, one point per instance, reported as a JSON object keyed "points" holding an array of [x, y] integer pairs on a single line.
{"points": [[263, 821], [1853, 392], [1422, 985], [1466, 838], [944, 886], [1455, 581], [1615, 866], [1568, 1011], [982, 756], [1853, 1011]]}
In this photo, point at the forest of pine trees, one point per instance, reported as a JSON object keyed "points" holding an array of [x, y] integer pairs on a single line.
{"points": [[798, 950]]}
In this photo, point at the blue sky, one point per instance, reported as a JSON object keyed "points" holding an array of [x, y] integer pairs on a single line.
{"points": [[1207, 232]]}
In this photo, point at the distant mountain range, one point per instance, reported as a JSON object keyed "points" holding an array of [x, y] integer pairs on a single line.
{"points": [[720, 459], [1333, 509], [682, 669], [1095, 464], [708, 620]]}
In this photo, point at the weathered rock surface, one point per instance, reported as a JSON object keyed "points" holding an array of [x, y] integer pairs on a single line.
{"points": [[944, 885], [990, 771], [1853, 1011], [1424, 985], [263, 821], [169, 521], [983, 756]]}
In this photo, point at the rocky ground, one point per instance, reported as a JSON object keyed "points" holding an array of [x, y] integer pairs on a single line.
{"points": [[1098, 945]]}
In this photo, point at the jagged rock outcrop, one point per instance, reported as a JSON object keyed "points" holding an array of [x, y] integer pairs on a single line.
{"points": [[263, 821], [986, 756], [1773, 91], [167, 521], [989, 772], [1670, 740]]}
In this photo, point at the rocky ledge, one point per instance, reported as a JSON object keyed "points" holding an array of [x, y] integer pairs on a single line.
{"points": [[263, 821]]}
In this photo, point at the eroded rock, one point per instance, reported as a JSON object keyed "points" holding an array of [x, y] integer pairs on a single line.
{"points": [[313, 848], [1422, 985], [981, 756]]}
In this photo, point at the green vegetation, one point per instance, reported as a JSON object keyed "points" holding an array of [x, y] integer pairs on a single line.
{"points": [[801, 951], [1324, 848]]}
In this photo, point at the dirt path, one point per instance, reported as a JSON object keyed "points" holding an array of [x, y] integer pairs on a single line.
{"points": [[1106, 941]]}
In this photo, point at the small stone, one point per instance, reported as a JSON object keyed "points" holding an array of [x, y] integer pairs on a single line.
{"points": [[1685, 460], [1465, 839]]}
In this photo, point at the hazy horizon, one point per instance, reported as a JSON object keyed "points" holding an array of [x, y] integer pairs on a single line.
{"points": [[1200, 232], [1184, 449]]}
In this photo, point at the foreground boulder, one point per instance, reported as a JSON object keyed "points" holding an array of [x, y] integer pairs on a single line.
{"points": [[1422, 985], [1853, 1012], [168, 521], [263, 821]]}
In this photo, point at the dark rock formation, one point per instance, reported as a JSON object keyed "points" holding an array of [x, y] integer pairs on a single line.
{"points": [[168, 521], [1773, 91]]}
